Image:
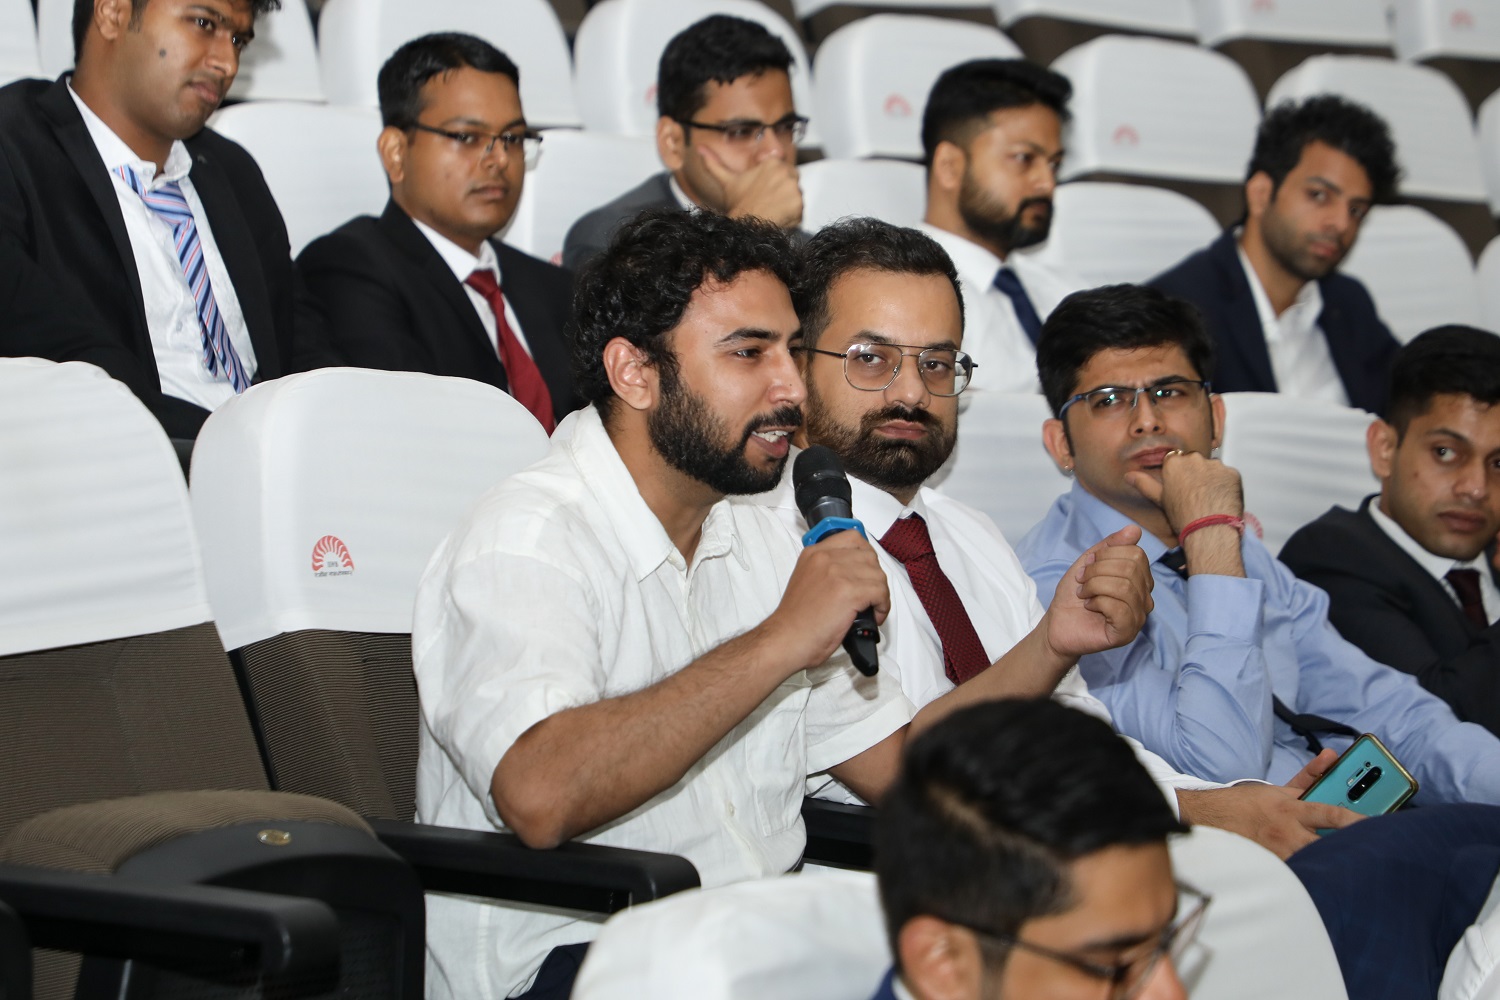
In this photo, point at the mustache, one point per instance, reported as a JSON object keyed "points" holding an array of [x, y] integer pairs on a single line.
{"points": [[899, 411], [786, 416], [1041, 200]]}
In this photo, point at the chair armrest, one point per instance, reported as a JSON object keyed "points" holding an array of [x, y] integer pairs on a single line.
{"points": [[15, 956], [575, 876], [839, 835], [121, 917]]}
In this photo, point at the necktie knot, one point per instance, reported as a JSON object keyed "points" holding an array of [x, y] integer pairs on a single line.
{"points": [[483, 281], [908, 539], [1465, 583]]}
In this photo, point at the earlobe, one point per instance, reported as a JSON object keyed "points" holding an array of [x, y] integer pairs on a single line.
{"points": [[110, 16], [939, 960], [631, 376], [1380, 442], [1258, 194], [1055, 440], [670, 141], [1216, 411], [391, 145], [948, 165]]}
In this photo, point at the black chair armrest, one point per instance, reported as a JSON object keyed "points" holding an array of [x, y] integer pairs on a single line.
{"points": [[575, 876], [839, 835], [15, 957], [121, 917]]}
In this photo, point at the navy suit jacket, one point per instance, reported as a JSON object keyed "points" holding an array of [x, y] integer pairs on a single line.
{"points": [[1360, 344]]}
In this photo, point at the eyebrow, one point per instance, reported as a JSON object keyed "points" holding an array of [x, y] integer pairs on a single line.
{"points": [[1163, 380], [752, 334], [875, 337]]}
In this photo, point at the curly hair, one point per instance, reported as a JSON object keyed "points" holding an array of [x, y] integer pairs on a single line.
{"points": [[1350, 128], [717, 49]]}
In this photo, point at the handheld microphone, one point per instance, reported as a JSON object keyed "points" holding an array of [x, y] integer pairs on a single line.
{"points": [[826, 502]]}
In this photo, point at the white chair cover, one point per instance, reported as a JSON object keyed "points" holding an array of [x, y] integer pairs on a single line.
{"points": [[1416, 268], [319, 161], [1488, 129], [54, 35], [1424, 29], [619, 44], [1109, 233], [1488, 273], [873, 76], [887, 189], [1297, 458], [576, 172], [356, 37], [282, 63], [19, 57], [320, 497], [1426, 112], [96, 537], [1154, 108], [1160, 17], [999, 465], [1334, 22], [807, 8]]}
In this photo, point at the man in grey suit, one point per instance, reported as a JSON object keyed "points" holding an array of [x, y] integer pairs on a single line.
{"points": [[727, 134]]}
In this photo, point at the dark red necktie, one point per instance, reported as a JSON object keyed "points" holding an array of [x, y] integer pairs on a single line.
{"points": [[1465, 583], [522, 374], [963, 653]]}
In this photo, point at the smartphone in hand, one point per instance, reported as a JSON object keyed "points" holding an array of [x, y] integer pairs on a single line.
{"points": [[1367, 778]]}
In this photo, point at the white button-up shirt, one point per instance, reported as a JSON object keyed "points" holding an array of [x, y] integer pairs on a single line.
{"points": [[171, 312], [563, 589], [1300, 360], [1438, 565], [462, 264]]}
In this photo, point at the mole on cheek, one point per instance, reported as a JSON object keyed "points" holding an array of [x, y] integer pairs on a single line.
{"points": [[161, 53]]}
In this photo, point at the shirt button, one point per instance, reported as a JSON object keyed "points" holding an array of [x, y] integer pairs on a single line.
{"points": [[729, 809]]}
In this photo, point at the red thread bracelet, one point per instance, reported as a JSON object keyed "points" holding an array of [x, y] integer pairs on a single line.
{"points": [[1212, 520]]}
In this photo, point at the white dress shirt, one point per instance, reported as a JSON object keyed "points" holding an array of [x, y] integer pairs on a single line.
{"points": [[462, 264], [1438, 565], [1300, 360], [562, 589], [1005, 356], [171, 312]]}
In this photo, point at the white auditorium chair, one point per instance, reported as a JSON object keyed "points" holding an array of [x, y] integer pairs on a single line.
{"points": [[54, 36], [1161, 112], [319, 161], [1108, 233], [1296, 457], [577, 171], [1487, 127], [872, 77], [619, 45], [1045, 29], [1460, 39], [1268, 39], [1430, 123], [1416, 268], [281, 64], [1488, 273], [999, 465], [356, 37], [886, 189], [821, 18], [19, 57]]}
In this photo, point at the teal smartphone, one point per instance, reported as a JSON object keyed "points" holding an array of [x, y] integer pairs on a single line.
{"points": [[1366, 778]]}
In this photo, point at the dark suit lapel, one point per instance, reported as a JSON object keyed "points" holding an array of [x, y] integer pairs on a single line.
{"points": [[549, 352], [1402, 563], [1245, 334]]}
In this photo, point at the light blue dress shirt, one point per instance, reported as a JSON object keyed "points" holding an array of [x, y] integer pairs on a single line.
{"points": [[1195, 686]]}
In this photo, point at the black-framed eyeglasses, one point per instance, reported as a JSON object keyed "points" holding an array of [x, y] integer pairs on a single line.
{"points": [[873, 367], [527, 143], [792, 129], [1127, 978], [1114, 401]]}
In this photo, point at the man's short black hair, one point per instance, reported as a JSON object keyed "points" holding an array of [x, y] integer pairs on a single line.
{"points": [[862, 244], [717, 49], [639, 287], [1123, 317], [1446, 360], [1350, 128], [991, 806], [409, 68], [959, 104], [83, 13]]}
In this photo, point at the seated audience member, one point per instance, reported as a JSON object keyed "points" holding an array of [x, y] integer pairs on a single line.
{"points": [[426, 287], [1281, 316], [159, 236], [1409, 576], [1022, 853], [727, 134], [608, 649], [992, 144], [1238, 672]]}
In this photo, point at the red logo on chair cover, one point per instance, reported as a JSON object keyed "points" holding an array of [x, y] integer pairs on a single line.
{"points": [[1462, 19], [330, 557], [1263, 6], [651, 95], [897, 106], [1126, 135]]}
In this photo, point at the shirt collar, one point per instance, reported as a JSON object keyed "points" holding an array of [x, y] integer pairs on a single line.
{"points": [[460, 261], [1300, 317], [977, 265], [688, 205], [1438, 566], [1106, 520], [115, 153], [877, 510]]}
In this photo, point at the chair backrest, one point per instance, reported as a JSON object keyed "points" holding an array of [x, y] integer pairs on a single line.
{"points": [[619, 45], [1109, 233], [575, 173], [1328, 22], [1488, 273], [1487, 127], [1157, 17], [282, 63], [1297, 458], [999, 465], [887, 189], [1148, 107], [356, 37], [54, 35], [1423, 29], [1427, 114], [319, 498], [873, 75], [1416, 268], [319, 161], [19, 56]]}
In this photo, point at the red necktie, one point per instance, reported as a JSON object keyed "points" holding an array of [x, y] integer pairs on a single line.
{"points": [[1465, 583], [963, 653], [521, 372]]}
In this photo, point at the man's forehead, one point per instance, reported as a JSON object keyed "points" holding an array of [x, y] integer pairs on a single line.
{"points": [[873, 306], [751, 299], [743, 96], [1134, 366]]}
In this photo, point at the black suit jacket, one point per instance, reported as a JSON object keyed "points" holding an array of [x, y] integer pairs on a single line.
{"points": [[1360, 344], [390, 301], [60, 225], [1381, 600]]}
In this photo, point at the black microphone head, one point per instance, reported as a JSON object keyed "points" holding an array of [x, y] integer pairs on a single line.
{"points": [[821, 488]]}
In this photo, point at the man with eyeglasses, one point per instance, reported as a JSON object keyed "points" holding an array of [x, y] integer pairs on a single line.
{"points": [[427, 287], [727, 134]]}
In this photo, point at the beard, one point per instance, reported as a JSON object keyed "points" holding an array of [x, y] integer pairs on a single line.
{"points": [[691, 438], [888, 465], [1289, 249], [989, 219]]}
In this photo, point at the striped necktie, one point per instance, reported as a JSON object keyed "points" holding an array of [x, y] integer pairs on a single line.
{"points": [[168, 202]]}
